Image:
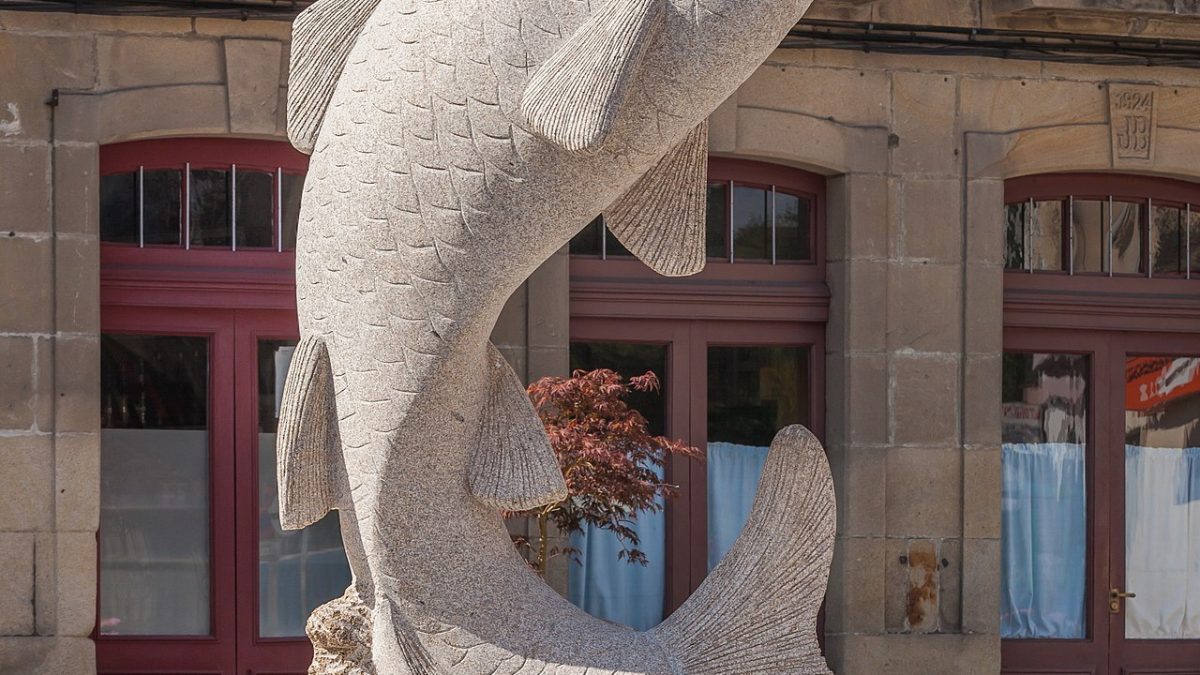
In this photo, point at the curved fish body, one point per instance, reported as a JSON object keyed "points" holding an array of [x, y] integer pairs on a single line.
{"points": [[443, 173]]}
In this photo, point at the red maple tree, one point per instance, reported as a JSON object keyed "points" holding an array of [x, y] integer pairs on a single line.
{"points": [[611, 462]]}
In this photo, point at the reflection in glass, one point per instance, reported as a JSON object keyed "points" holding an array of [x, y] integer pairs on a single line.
{"points": [[1090, 235], [292, 190], [154, 486], [161, 208], [717, 223], [1162, 497], [751, 223], [209, 210], [118, 208], [297, 570], [1044, 496], [587, 242], [602, 585], [255, 209], [1126, 253], [793, 239], [1015, 216], [1046, 235], [753, 392], [1167, 244]]}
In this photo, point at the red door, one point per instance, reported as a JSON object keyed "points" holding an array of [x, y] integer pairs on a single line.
{"points": [[1101, 498], [195, 573]]}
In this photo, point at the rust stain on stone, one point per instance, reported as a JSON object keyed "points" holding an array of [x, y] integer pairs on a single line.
{"points": [[921, 607]]}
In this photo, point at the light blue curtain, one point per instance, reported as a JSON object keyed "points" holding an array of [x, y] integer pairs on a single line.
{"points": [[1162, 542], [1044, 543], [733, 473], [614, 589]]}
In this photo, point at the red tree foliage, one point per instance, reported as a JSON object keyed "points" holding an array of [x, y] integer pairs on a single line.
{"points": [[610, 461]]}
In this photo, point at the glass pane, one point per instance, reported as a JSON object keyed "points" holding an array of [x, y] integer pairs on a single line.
{"points": [[1162, 497], [161, 210], [603, 585], [297, 570], [1046, 236], [1194, 241], [1167, 244], [613, 248], [292, 189], [1127, 238], [793, 232], [255, 209], [209, 199], [1090, 235], [753, 392], [1014, 235], [751, 223], [718, 220], [587, 242], [118, 208], [154, 486], [1044, 496]]}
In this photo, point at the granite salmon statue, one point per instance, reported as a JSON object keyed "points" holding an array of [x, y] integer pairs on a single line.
{"points": [[456, 145]]}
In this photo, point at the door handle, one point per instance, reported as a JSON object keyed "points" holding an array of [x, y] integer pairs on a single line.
{"points": [[1115, 596]]}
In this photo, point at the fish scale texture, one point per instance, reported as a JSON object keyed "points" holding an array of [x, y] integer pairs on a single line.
{"points": [[428, 202]]}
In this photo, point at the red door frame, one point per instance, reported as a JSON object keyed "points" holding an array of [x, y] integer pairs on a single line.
{"points": [[236, 297], [1141, 656], [1106, 317], [1076, 656], [743, 303], [215, 653], [687, 365]]}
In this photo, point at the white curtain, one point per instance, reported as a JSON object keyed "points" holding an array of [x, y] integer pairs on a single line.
{"points": [[1044, 543], [1162, 542], [733, 473]]}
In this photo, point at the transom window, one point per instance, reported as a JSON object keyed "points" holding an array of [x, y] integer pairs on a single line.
{"points": [[1079, 225], [194, 193], [751, 218]]}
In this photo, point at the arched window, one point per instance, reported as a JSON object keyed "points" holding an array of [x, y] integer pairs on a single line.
{"points": [[739, 349], [1101, 422], [198, 326]]}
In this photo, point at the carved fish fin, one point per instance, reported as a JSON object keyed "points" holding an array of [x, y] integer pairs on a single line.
{"points": [[763, 598], [661, 220], [513, 467], [322, 37], [307, 445], [574, 97]]}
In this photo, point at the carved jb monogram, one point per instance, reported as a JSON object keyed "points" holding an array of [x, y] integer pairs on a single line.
{"points": [[1133, 121]]}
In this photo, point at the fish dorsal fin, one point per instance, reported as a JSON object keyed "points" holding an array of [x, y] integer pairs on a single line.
{"points": [[307, 446], [661, 219], [513, 467], [322, 37], [574, 97]]}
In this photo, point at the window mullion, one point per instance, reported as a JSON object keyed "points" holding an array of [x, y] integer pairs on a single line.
{"points": [[187, 206], [141, 206], [233, 207]]}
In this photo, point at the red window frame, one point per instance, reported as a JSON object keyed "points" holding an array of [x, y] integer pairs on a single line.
{"points": [[1105, 318]]}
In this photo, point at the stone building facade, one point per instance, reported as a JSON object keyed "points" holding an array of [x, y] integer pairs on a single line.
{"points": [[915, 150]]}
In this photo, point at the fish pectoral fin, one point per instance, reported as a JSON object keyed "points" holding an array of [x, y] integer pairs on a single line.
{"points": [[307, 445], [574, 97], [322, 37], [661, 219], [513, 466]]}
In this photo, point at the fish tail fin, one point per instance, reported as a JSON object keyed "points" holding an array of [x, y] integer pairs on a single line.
{"points": [[307, 444], [513, 467], [757, 611]]}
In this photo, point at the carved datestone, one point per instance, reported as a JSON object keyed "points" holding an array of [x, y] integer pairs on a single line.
{"points": [[456, 145], [1133, 118]]}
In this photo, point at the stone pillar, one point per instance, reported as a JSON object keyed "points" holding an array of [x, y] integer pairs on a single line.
{"points": [[49, 365]]}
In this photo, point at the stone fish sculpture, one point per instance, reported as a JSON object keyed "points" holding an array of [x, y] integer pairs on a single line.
{"points": [[456, 144]]}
